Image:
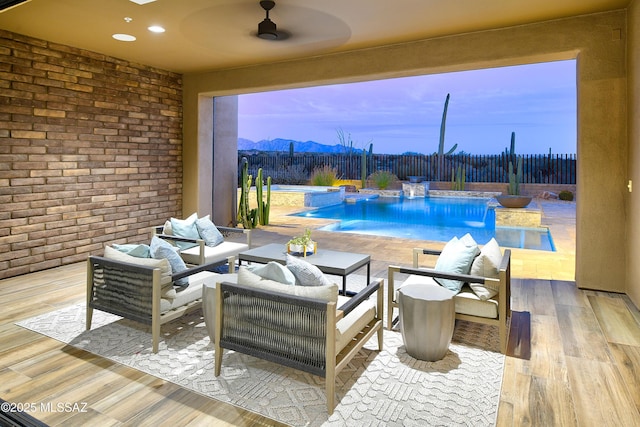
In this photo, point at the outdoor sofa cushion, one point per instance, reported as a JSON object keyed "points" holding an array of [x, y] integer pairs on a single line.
{"points": [[346, 328], [466, 301]]}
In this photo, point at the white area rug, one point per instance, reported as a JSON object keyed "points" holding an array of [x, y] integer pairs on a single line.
{"points": [[388, 388]]}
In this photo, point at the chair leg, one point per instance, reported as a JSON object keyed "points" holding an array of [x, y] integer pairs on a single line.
{"points": [[89, 309], [330, 381], [155, 334], [231, 261], [89, 317]]}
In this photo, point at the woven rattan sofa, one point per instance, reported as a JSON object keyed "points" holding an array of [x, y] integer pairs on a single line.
{"points": [[468, 306], [305, 333], [144, 293]]}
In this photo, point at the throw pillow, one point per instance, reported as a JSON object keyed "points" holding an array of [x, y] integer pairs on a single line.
{"points": [[327, 293], [185, 228], [138, 251], [487, 264], [306, 273], [167, 290], [209, 232], [274, 271], [456, 257], [160, 249]]}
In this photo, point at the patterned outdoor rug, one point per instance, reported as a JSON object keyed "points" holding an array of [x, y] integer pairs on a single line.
{"points": [[387, 388]]}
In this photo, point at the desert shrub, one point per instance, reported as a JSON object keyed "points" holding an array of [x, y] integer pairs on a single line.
{"points": [[565, 195], [324, 176], [382, 179]]}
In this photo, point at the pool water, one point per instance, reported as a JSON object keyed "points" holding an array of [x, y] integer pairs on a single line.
{"points": [[429, 218]]}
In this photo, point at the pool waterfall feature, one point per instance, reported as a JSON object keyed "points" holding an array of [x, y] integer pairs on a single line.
{"points": [[303, 195]]}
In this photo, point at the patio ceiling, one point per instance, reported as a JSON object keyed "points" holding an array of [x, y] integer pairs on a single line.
{"points": [[204, 35]]}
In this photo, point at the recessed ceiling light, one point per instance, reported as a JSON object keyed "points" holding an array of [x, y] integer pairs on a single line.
{"points": [[156, 29], [124, 37], [142, 1]]}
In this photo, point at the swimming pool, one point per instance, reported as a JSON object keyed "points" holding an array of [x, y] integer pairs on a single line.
{"points": [[429, 218]]}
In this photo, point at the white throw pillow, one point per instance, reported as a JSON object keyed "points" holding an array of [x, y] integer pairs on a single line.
{"points": [[456, 258], [306, 273], [274, 271], [327, 293], [487, 264]]}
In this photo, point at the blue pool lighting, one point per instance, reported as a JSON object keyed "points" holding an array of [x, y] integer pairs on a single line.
{"points": [[429, 218]]}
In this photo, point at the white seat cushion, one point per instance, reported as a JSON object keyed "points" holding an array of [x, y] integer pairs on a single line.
{"points": [[466, 301], [350, 325], [190, 293], [213, 254]]}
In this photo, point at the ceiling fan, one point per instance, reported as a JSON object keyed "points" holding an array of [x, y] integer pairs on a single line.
{"points": [[267, 28]]}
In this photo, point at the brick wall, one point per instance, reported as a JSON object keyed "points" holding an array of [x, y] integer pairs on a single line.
{"points": [[90, 152]]}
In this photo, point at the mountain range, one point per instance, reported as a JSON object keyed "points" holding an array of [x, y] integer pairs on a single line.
{"points": [[280, 144]]}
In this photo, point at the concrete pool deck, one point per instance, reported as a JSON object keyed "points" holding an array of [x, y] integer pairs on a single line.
{"points": [[559, 216]]}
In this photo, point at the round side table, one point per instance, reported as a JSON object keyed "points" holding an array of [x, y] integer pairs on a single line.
{"points": [[427, 318]]}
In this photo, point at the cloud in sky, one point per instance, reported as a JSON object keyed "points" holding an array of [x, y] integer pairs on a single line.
{"points": [[537, 102]]}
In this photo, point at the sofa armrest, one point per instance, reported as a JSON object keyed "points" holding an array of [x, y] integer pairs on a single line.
{"points": [[468, 278], [245, 231], [418, 251], [363, 295], [178, 238]]}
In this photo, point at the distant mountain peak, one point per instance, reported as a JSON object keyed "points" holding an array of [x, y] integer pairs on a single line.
{"points": [[281, 144]]}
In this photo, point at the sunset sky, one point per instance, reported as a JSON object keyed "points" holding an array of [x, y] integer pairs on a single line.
{"points": [[537, 102]]}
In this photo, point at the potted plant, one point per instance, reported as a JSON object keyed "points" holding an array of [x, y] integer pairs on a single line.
{"points": [[302, 244], [514, 199]]}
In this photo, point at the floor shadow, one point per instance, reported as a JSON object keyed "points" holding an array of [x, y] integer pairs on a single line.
{"points": [[519, 343]]}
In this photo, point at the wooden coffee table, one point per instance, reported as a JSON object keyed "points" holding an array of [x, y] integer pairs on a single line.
{"points": [[328, 261]]}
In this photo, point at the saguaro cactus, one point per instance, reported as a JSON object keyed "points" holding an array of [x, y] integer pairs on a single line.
{"points": [[246, 215], [515, 178], [263, 207], [441, 153], [363, 165]]}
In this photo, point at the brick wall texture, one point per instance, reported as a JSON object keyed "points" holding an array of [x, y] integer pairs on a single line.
{"points": [[90, 152]]}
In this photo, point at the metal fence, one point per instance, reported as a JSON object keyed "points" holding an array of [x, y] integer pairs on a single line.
{"points": [[297, 168]]}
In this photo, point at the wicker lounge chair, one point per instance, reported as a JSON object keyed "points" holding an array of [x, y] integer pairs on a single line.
{"points": [[468, 306], [142, 292], [304, 333]]}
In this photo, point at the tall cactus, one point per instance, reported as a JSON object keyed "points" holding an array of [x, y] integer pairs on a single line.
{"points": [[515, 178], [260, 202], [263, 207], [441, 153], [267, 205], [247, 216]]}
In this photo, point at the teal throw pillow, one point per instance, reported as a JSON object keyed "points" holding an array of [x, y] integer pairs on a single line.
{"points": [[138, 251], [185, 228], [209, 232], [456, 257], [161, 249]]}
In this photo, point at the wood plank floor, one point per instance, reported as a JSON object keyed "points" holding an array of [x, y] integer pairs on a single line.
{"points": [[582, 368]]}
